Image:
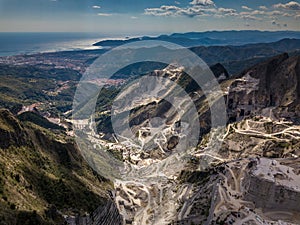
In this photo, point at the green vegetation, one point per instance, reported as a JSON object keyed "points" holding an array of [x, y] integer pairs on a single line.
{"points": [[42, 170], [38, 120], [39, 73], [25, 85]]}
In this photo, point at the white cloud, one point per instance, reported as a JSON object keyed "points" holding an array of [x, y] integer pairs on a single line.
{"points": [[250, 17], [258, 12], [201, 8], [202, 2], [177, 3], [104, 14], [262, 7], [252, 14], [196, 8], [268, 14], [227, 12], [165, 10], [197, 11], [162, 11], [279, 13], [134, 17], [246, 8], [275, 13], [287, 15], [288, 6], [96, 7], [169, 8]]}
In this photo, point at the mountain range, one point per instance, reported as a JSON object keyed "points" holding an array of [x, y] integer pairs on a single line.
{"points": [[210, 38], [253, 177]]}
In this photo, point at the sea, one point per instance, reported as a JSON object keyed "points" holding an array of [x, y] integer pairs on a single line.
{"points": [[30, 43]]}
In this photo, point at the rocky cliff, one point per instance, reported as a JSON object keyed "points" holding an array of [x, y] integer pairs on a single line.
{"points": [[271, 87]]}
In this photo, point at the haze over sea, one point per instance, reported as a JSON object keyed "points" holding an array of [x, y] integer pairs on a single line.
{"points": [[29, 43]]}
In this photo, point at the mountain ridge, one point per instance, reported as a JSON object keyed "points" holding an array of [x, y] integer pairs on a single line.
{"points": [[192, 39]]}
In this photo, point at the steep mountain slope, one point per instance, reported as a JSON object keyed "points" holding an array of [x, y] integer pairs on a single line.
{"points": [[264, 100], [271, 86], [43, 176]]}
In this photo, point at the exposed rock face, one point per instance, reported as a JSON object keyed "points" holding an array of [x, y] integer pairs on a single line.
{"points": [[219, 71], [260, 136], [104, 215], [233, 190], [269, 85], [272, 196], [273, 186], [245, 191]]}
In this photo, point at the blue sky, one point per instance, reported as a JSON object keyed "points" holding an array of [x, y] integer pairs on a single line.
{"points": [[147, 17]]}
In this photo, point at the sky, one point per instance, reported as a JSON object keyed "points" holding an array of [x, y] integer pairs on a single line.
{"points": [[147, 16]]}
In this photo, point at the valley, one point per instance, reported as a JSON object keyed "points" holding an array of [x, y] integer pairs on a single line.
{"points": [[247, 173]]}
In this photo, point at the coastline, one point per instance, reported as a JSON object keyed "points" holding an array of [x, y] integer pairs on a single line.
{"points": [[13, 44]]}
